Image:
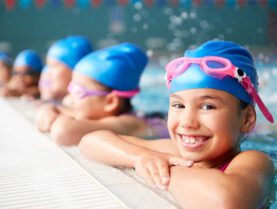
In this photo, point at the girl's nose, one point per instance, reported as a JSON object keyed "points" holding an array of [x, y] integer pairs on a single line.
{"points": [[189, 119]]}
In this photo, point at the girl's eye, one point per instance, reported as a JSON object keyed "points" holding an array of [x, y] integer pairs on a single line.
{"points": [[178, 106], [208, 107]]}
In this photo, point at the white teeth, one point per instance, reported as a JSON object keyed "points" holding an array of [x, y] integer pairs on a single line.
{"points": [[192, 140]]}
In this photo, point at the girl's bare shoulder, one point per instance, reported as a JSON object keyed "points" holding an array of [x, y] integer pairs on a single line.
{"points": [[252, 161]]}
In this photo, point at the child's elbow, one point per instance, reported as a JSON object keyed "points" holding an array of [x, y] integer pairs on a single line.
{"points": [[225, 201], [86, 145], [215, 199], [60, 133]]}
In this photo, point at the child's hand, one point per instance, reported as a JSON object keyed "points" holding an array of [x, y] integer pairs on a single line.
{"points": [[16, 83], [154, 167], [4, 91], [45, 117]]}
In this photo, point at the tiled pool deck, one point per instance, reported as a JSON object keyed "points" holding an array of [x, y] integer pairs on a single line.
{"points": [[37, 173]]}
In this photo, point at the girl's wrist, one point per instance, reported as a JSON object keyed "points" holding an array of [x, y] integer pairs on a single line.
{"points": [[140, 153]]}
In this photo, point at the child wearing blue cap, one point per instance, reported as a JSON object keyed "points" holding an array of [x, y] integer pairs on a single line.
{"points": [[25, 75], [61, 59], [6, 63], [100, 93], [213, 90]]}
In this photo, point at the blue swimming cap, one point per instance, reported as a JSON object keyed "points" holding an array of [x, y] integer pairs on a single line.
{"points": [[118, 67], [194, 77], [70, 50], [4, 57], [30, 59]]}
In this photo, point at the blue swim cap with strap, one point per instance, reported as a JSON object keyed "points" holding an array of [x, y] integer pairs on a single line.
{"points": [[194, 77], [118, 67], [70, 50], [30, 59]]}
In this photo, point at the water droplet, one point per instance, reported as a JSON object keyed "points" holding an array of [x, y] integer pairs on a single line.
{"points": [[137, 17], [168, 11], [193, 30], [204, 24], [192, 15], [138, 5], [145, 26], [184, 15], [176, 20], [150, 53]]}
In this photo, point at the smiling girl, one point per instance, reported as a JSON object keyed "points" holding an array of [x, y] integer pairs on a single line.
{"points": [[213, 90]]}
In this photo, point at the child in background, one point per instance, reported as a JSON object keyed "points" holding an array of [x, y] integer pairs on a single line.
{"points": [[99, 97], [213, 90], [61, 59], [6, 63], [25, 75]]}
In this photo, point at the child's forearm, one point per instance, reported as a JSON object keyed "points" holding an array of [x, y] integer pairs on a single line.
{"points": [[65, 111], [111, 149], [68, 131], [210, 188], [31, 91], [8, 92]]}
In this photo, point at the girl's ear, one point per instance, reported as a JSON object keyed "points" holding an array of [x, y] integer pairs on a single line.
{"points": [[248, 119], [111, 103]]}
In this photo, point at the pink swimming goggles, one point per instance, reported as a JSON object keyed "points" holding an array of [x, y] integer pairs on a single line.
{"points": [[180, 65], [82, 92], [45, 83]]}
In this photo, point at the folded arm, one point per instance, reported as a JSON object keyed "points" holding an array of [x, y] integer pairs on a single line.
{"points": [[147, 157], [67, 130], [243, 185]]}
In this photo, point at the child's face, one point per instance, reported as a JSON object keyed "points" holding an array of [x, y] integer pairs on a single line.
{"points": [[204, 123], [23, 77], [44, 85], [5, 73], [59, 76], [91, 107]]}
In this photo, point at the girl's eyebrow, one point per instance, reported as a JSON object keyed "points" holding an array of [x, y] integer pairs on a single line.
{"points": [[175, 96], [203, 97], [213, 97]]}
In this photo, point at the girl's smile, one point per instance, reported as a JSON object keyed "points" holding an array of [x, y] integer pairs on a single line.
{"points": [[192, 141]]}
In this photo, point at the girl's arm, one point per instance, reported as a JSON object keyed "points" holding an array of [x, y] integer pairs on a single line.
{"points": [[32, 91], [244, 184], [67, 130], [153, 165], [46, 114]]}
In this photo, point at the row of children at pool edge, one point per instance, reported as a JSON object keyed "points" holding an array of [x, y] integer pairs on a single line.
{"points": [[84, 90], [213, 93]]}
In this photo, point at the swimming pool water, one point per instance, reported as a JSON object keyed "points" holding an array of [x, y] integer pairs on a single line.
{"points": [[154, 98]]}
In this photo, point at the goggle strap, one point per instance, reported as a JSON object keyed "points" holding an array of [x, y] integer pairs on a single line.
{"points": [[255, 96], [126, 94]]}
